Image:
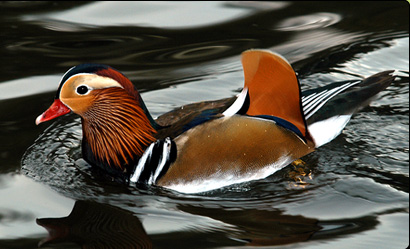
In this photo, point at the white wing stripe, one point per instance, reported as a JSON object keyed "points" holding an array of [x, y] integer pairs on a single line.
{"points": [[237, 105], [323, 99], [306, 99], [315, 103]]}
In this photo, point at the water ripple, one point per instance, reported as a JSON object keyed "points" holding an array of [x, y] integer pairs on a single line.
{"points": [[307, 22], [195, 52], [74, 45]]}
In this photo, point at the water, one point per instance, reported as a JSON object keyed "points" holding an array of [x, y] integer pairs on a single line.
{"points": [[351, 193]]}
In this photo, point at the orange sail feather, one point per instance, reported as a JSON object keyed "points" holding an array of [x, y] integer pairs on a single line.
{"points": [[273, 87]]}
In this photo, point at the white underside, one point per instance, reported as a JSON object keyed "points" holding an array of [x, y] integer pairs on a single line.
{"points": [[220, 180], [326, 130]]}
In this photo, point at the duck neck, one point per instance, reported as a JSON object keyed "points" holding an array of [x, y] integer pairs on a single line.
{"points": [[116, 130]]}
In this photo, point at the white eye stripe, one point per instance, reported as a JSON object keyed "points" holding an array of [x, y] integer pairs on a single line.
{"points": [[76, 75], [94, 81]]}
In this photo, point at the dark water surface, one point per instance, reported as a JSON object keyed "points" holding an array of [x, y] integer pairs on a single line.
{"points": [[351, 193]]}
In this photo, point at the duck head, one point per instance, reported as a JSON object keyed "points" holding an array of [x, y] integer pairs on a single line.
{"points": [[115, 122]]}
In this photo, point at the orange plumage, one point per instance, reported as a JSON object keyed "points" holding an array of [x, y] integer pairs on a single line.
{"points": [[273, 87], [116, 127]]}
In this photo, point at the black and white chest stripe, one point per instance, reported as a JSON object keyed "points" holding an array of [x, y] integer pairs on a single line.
{"points": [[155, 162]]}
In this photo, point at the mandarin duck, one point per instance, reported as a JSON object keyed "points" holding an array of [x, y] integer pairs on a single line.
{"points": [[208, 145]]}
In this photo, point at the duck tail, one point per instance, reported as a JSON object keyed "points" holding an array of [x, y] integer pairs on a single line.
{"points": [[328, 109]]}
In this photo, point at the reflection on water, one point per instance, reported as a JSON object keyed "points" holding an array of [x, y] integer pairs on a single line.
{"points": [[356, 195], [94, 225]]}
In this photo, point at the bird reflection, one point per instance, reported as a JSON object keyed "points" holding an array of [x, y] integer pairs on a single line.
{"points": [[95, 225], [262, 227]]}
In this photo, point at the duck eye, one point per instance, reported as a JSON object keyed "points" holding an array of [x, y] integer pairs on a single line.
{"points": [[82, 90]]}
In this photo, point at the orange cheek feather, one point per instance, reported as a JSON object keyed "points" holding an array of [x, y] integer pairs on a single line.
{"points": [[79, 105]]}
